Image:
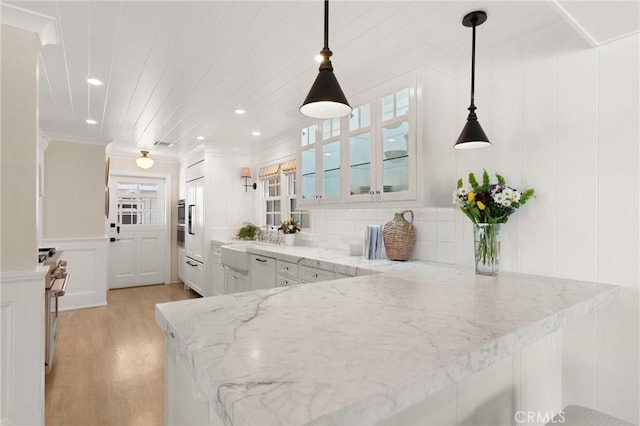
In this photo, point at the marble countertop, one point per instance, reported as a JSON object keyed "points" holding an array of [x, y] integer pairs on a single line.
{"points": [[358, 350]]}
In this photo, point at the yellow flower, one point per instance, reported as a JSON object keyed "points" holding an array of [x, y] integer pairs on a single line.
{"points": [[481, 205], [471, 196]]}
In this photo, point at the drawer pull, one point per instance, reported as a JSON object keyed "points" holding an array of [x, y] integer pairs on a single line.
{"points": [[261, 260]]}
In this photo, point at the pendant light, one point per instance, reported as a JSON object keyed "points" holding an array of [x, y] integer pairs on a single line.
{"points": [[472, 136], [326, 99], [144, 162]]}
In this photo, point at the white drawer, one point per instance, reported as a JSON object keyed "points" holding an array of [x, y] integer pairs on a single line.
{"points": [[308, 274], [288, 269], [284, 281], [262, 260]]}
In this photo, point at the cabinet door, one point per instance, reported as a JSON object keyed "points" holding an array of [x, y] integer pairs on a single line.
{"points": [[217, 271], [181, 265], [321, 163], [235, 282], [194, 238], [360, 177], [262, 272], [396, 148]]}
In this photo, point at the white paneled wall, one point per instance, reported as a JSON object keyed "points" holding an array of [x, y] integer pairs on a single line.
{"points": [[564, 122]]}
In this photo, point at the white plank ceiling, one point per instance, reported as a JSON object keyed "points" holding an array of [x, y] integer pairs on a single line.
{"points": [[177, 70]]}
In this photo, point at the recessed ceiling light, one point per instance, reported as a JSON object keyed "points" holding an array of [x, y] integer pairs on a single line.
{"points": [[90, 121], [240, 111], [200, 138], [255, 133], [94, 82]]}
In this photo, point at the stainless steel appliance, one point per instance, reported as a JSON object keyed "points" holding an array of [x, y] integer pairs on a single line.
{"points": [[181, 222], [56, 280]]}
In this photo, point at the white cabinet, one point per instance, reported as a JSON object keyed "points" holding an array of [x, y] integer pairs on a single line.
{"points": [[262, 272], [181, 264], [235, 282], [287, 273], [308, 274], [194, 236], [217, 270], [368, 156], [194, 272]]}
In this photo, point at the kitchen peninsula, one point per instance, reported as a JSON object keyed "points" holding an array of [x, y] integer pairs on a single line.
{"points": [[356, 350]]}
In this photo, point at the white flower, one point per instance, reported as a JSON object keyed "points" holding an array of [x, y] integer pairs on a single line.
{"points": [[498, 197], [506, 202], [508, 193], [462, 191], [516, 196], [454, 198]]}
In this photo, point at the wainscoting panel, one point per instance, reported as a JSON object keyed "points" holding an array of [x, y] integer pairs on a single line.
{"points": [[22, 347], [87, 264]]}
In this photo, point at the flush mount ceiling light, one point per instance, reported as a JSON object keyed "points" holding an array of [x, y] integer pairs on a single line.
{"points": [[200, 138], [144, 162], [240, 111], [326, 99], [472, 136], [94, 82], [90, 121], [256, 133]]}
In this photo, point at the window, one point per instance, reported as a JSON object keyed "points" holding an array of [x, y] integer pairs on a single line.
{"points": [[308, 135], [301, 216], [271, 195], [279, 195], [137, 204]]}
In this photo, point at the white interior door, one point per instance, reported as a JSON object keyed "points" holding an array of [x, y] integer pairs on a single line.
{"points": [[137, 230]]}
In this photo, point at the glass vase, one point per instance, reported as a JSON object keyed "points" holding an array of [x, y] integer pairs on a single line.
{"points": [[486, 244]]}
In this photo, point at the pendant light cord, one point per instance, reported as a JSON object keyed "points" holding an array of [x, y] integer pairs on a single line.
{"points": [[472, 107], [326, 25], [326, 52]]}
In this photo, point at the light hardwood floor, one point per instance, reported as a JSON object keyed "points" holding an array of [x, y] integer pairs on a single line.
{"points": [[109, 362]]}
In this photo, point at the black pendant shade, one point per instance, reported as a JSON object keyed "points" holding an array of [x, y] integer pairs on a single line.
{"points": [[472, 135], [326, 99]]}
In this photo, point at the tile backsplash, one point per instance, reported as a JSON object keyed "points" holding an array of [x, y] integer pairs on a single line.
{"points": [[435, 229]]}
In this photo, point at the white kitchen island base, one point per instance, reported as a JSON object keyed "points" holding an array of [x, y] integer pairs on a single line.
{"points": [[421, 343]]}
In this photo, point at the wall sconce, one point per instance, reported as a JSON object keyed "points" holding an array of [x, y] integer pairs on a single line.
{"points": [[246, 175], [144, 162]]}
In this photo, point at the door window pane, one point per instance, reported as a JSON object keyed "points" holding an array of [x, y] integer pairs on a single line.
{"points": [[360, 164], [331, 169], [395, 161], [137, 204]]}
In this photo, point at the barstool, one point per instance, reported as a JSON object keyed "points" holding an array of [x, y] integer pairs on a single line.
{"points": [[575, 415]]}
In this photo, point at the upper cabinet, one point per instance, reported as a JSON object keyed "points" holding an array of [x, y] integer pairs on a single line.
{"points": [[368, 156]]}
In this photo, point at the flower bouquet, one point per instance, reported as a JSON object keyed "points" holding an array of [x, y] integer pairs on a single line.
{"points": [[488, 205], [289, 228]]}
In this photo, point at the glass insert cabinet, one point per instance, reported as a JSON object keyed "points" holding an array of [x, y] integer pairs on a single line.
{"points": [[368, 156]]}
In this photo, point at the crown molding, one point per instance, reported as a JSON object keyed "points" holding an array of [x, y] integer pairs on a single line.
{"points": [[45, 26], [61, 137]]}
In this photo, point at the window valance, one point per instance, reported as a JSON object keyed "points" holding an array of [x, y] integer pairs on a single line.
{"points": [[289, 167], [269, 171]]}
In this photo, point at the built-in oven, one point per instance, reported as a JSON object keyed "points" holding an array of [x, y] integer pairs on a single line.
{"points": [[181, 223], [55, 284]]}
